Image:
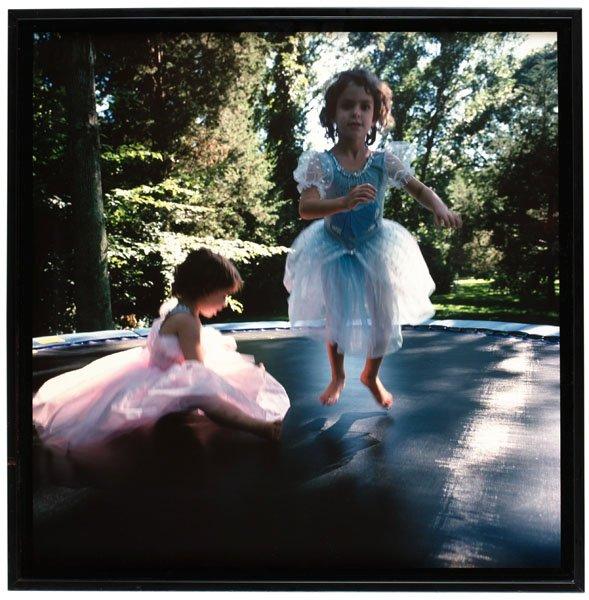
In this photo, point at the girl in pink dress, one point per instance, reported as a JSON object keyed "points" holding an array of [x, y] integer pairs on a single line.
{"points": [[184, 366]]}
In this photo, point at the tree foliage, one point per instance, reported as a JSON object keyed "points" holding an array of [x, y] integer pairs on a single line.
{"points": [[200, 133], [523, 181], [486, 129], [181, 157], [281, 113]]}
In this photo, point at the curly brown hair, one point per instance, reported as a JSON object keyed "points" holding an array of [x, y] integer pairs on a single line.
{"points": [[204, 272], [379, 90]]}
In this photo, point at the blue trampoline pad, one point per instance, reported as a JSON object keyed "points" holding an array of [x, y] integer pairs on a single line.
{"points": [[463, 471]]}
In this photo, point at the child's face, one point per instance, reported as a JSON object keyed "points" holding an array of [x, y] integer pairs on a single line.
{"points": [[354, 113], [212, 303]]}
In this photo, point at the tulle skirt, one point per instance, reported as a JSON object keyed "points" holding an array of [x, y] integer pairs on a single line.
{"points": [[122, 391], [357, 297]]}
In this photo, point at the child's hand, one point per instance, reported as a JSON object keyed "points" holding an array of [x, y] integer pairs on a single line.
{"points": [[360, 194], [444, 217]]}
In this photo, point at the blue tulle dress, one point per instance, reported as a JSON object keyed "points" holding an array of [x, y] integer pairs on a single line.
{"points": [[354, 278]]}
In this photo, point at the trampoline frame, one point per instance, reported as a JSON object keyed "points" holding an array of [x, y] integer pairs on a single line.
{"points": [[548, 333]]}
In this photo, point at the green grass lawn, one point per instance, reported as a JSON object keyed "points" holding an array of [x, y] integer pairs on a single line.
{"points": [[476, 299], [472, 299]]}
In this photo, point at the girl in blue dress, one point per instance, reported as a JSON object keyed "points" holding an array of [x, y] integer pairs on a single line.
{"points": [[353, 277]]}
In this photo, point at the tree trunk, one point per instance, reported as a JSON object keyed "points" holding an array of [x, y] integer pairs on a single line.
{"points": [[92, 288], [283, 117], [160, 129], [435, 118]]}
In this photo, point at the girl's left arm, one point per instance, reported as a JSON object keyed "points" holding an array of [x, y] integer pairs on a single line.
{"points": [[443, 216]]}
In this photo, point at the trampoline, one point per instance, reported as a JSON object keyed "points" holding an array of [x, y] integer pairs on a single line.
{"points": [[463, 472]]}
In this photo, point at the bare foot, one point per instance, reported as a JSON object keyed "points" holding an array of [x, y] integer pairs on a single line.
{"points": [[380, 393], [332, 392]]}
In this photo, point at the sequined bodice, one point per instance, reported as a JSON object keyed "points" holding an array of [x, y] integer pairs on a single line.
{"points": [[355, 225]]}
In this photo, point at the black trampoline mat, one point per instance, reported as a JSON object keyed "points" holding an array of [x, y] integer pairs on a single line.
{"points": [[464, 472]]}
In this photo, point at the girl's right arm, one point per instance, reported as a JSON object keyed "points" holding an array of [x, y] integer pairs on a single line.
{"points": [[312, 206], [188, 331]]}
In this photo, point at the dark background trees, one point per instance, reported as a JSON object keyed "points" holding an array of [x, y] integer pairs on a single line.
{"points": [[199, 134]]}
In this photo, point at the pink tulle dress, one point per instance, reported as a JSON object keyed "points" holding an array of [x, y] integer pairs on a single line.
{"points": [[135, 387]]}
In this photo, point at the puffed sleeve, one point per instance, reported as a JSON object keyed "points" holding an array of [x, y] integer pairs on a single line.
{"points": [[312, 171], [398, 159]]}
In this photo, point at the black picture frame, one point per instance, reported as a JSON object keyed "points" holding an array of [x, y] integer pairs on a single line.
{"points": [[20, 303]]}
